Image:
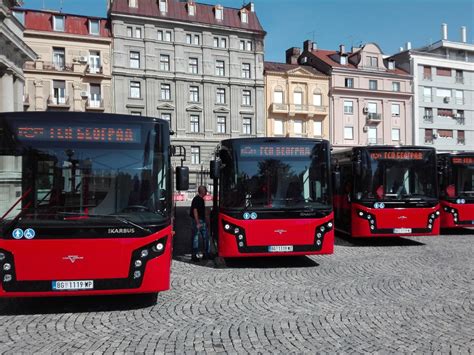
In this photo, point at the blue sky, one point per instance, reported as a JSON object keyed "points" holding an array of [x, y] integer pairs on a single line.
{"points": [[389, 23]]}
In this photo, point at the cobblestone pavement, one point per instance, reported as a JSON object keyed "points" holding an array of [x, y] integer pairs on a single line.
{"points": [[403, 295]]}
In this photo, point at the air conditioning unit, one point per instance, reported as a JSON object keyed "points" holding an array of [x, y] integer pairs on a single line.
{"points": [[365, 110], [446, 99], [82, 59], [457, 115], [84, 94]]}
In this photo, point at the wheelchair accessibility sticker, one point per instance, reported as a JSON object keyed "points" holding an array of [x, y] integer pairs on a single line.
{"points": [[30, 233], [19, 233]]}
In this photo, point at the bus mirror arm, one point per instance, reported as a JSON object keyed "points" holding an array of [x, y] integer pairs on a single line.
{"points": [[215, 169], [336, 178], [358, 167]]}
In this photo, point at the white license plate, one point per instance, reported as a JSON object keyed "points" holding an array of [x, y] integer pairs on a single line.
{"points": [[280, 248], [402, 230], [72, 285]]}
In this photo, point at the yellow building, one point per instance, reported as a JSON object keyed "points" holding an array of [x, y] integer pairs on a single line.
{"points": [[73, 69], [296, 101]]}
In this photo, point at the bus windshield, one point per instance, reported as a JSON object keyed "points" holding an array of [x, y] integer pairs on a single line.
{"points": [[397, 175], [65, 181], [464, 180], [275, 175]]}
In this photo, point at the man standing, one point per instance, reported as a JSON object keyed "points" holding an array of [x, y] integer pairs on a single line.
{"points": [[198, 216]]}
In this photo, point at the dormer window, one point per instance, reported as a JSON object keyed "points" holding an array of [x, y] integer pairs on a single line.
{"points": [[191, 8], [58, 23], [94, 27], [391, 64], [343, 59], [372, 62], [163, 6], [132, 3], [219, 10], [244, 16]]}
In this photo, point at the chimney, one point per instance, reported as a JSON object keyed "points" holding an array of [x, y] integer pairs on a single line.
{"points": [[408, 46], [251, 7], [292, 55], [401, 49], [463, 34], [342, 49], [444, 32], [308, 45]]}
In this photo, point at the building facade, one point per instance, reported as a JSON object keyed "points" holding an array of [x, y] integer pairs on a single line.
{"points": [[73, 69], [296, 100], [13, 54], [198, 66], [370, 98], [443, 77]]}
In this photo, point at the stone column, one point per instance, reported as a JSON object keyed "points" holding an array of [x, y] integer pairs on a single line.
{"points": [[19, 85], [39, 99], [6, 92]]}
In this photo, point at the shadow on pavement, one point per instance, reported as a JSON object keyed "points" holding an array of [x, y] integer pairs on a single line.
{"points": [[273, 262], [75, 304], [345, 240], [457, 231]]}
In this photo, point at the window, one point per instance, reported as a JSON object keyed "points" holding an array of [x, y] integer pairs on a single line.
{"points": [[136, 113], [194, 119], [195, 155], [246, 98], [372, 135], [459, 76], [396, 86], [138, 32], [391, 64], [317, 99], [165, 91], [395, 109], [445, 133], [168, 36], [396, 134], [372, 62], [242, 45], [130, 32], [166, 117], [193, 94], [445, 112], [216, 42], [348, 133], [349, 82], [58, 58], [58, 23], [278, 97], [135, 60], [348, 107], [160, 35], [427, 94], [164, 62], [191, 9], [298, 128], [197, 40], [20, 16], [443, 92], [428, 116], [244, 16], [94, 62], [95, 96], [94, 27], [247, 125], [372, 107], [426, 73], [249, 46], [372, 84], [461, 137], [278, 128], [189, 38], [429, 135], [220, 96], [223, 43], [59, 92], [135, 90], [193, 66], [132, 3], [298, 98], [246, 70], [443, 71], [163, 6], [343, 59], [219, 13], [459, 97], [221, 123], [220, 70], [318, 129]]}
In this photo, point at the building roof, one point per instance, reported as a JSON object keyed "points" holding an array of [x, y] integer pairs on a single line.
{"points": [[330, 58], [42, 20], [284, 67], [177, 11]]}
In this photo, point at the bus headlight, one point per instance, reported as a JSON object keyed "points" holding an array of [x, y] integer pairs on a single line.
{"points": [[236, 230], [159, 247], [144, 253], [137, 274], [437, 213], [318, 242], [2, 256], [227, 227], [7, 278], [241, 237], [319, 235], [7, 267], [138, 263], [330, 225]]}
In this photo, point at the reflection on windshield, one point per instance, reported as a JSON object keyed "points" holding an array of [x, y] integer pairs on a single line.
{"points": [[76, 184], [255, 183], [397, 179]]}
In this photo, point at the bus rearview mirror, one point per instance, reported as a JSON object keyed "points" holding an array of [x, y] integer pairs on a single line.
{"points": [[215, 169], [182, 178], [336, 180], [358, 168]]}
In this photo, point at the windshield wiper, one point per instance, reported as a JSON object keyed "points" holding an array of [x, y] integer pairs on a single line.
{"points": [[117, 217]]}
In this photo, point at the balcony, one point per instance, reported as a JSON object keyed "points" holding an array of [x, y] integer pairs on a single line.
{"points": [[428, 119], [95, 105], [293, 109], [48, 66], [58, 102], [429, 140], [459, 80], [94, 71], [279, 108], [427, 77], [374, 117], [321, 110], [461, 141], [460, 120], [374, 141]]}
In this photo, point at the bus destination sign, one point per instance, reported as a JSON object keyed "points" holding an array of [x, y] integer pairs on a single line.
{"points": [[463, 160], [263, 151], [84, 133], [398, 155]]}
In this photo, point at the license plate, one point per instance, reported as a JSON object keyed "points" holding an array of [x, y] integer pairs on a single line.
{"points": [[72, 285], [280, 248], [402, 230]]}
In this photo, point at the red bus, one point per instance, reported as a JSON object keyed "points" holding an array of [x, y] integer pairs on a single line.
{"points": [[387, 191], [85, 204], [274, 197], [457, 189]]}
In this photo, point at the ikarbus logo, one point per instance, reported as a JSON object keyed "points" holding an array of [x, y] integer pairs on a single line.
{"points": [[121, 230]]}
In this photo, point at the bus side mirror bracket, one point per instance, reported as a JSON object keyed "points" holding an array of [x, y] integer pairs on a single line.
{"points": [[182, 178], [215, 169]]}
